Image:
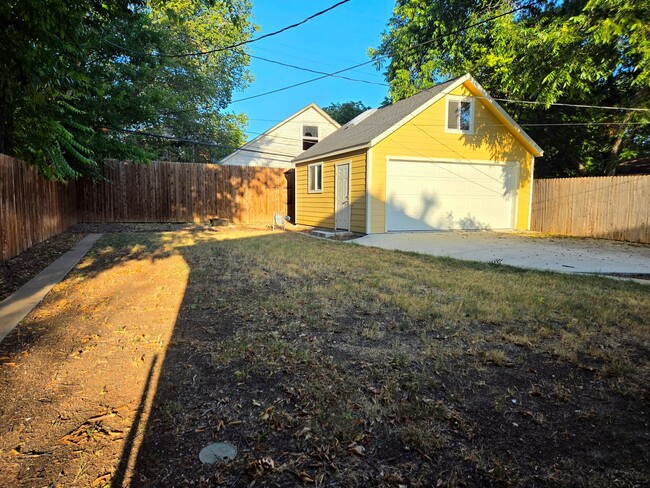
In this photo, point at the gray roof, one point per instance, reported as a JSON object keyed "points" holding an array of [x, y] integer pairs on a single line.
{"points": [[361, 133]]}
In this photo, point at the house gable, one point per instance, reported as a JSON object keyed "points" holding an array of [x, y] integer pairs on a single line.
{"points": [[281, 143], [467, 86]]}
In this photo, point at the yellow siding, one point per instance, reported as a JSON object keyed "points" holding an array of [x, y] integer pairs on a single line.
{"points": [[424, 137], [317, 209]]}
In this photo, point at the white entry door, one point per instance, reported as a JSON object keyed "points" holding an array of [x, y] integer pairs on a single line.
{"points": [[424, 195], [342, 196]]}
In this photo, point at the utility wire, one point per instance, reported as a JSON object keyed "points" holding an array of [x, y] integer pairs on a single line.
{"points": [[192, 141], [602, 107], [327, 75], [249, 41], [316, 72], [335, 74]]}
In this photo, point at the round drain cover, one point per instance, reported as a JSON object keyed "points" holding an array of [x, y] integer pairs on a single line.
{"points": [[219, 452]]}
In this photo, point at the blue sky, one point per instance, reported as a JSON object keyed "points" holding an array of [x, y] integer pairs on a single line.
{"points": [[335, 40]]}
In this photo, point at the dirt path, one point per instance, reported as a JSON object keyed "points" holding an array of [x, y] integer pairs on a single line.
{"points": [[74, 372]]}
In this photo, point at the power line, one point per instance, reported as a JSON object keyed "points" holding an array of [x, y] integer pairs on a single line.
{"points": [[242, 43], [602, 107], [380, 58], [583, 123], [313, 55], [315, 71], [201, 143], [457, 31]]}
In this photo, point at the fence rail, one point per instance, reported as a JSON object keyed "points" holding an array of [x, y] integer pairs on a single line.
{"points": [[611, 207], [32, 209], [183, 192]]}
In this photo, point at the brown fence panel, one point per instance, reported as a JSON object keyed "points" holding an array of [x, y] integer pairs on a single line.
{"points": [[182, 192], [32, 209], [611, 207]]}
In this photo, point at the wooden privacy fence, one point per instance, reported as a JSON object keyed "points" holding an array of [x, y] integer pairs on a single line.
{"points": [[183, 192], [612, 207], [31, 208]]}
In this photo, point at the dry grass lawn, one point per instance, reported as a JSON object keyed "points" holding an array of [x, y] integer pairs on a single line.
{"points": [[326, 364]]}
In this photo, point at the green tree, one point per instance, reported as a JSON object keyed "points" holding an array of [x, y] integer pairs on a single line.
{"points": [[346, 111], [592, 52], [77, 74]]}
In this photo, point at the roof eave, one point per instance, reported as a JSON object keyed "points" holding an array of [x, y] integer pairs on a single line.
{"points": [[316, 157]]}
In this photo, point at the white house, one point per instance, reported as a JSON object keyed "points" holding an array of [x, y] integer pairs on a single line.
{"points": [[281, 143]]}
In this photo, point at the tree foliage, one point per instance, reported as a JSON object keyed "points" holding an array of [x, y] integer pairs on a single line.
{"points": [[344, 112], [592, 52], [78, 75]]}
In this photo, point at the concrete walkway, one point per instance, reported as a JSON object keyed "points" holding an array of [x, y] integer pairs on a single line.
{"points": [[567, 255], [16, 307]]}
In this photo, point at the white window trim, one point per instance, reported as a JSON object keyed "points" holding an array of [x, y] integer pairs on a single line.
{"points": [[309, 166], [472, 113], [304, 138]]}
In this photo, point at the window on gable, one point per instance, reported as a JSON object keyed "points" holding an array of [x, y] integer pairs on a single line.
{"points": [[309, 136], [315, 178], [459, 115]]}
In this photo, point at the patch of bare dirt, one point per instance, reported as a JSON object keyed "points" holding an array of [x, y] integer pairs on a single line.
{"points": [[17, 271]]}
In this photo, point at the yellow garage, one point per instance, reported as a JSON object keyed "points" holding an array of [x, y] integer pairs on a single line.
{"points": [[446, 158]]}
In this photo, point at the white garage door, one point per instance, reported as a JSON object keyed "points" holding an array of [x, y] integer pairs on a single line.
{"points": [[428, 196]]}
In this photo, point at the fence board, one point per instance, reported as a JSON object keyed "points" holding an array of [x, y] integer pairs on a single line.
{"points": [[32, 209], [183, 192], [612, 207]]}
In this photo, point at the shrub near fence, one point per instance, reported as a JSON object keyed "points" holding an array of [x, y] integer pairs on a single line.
{"points": [[611, 207], [32, 209], [182, 192]]}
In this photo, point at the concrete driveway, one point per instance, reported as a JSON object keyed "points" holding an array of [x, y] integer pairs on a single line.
{"points": [[525, 250]]}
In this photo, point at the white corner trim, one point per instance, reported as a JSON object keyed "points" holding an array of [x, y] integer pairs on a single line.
{"points": [[514, 216], [295, 195], [368, 188], [385, 182], [530, 199]]}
